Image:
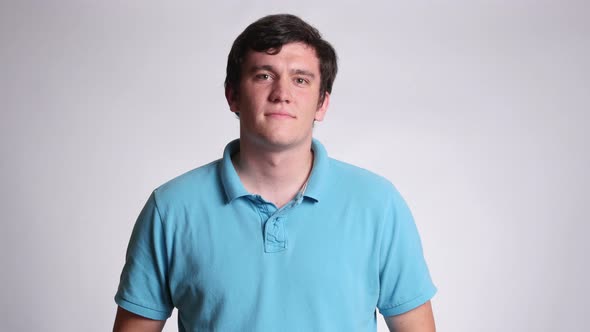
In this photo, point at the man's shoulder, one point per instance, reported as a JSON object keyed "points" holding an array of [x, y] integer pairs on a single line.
{"points": [[364, 189], [201, 181], [359, 179]]}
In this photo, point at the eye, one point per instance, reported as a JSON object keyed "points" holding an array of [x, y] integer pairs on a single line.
{"points": [[262, 77], [300, 80]]}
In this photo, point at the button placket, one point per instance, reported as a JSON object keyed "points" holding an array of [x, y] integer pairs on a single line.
{"points": [[273, 219], [275, 239], [275, 232]]}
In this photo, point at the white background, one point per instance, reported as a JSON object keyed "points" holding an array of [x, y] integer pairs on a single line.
{"points": [[478, 111]]}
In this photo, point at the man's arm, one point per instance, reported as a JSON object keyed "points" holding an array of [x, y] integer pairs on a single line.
{"points": [[419, 319], [126, 321]]}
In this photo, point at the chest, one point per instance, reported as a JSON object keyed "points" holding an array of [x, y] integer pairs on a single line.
{"points": [[321, 254]]}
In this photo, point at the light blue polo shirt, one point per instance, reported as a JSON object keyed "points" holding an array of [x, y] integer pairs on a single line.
{"points": [[230, 261]]}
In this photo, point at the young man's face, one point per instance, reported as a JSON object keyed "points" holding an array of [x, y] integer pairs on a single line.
{"points": [[278, 97]]}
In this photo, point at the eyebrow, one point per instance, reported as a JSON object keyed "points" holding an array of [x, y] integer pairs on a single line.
{"points": [[303, 72], [293, 71], [263, 67]]}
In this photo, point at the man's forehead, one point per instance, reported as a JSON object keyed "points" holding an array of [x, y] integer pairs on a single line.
{"points": [[300, 52]]}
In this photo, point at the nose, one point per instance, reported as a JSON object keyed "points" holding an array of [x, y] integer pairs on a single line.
{"points": [[280, 91]]}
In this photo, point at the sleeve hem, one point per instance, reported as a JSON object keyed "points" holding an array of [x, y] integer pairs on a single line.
{"points": [[407, 306], [142, 311]]}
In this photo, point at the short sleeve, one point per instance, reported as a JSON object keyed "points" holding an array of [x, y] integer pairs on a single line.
{"points": [[143, 288], [404, 279]]}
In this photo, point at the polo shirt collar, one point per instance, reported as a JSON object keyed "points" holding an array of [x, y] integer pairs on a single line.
{"points": [[229, 177], [319, 172], [233, 185]]}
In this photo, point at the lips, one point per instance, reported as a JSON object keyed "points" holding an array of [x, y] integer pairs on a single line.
{"points": [[279, 115]]}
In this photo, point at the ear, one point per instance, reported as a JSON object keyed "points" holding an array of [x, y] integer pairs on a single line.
{"points": [[323, 108], [232, 99]]}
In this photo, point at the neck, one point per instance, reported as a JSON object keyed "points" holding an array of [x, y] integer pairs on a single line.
{"points": [[277, 175]]}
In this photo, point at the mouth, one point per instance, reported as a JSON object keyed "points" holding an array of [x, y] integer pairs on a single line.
{"points": [[280, 115]]}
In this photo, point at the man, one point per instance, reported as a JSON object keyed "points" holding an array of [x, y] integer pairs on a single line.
{"points": [[276, 236]]}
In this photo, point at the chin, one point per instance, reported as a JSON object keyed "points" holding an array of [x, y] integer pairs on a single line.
{"points": [[281, 143]]}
